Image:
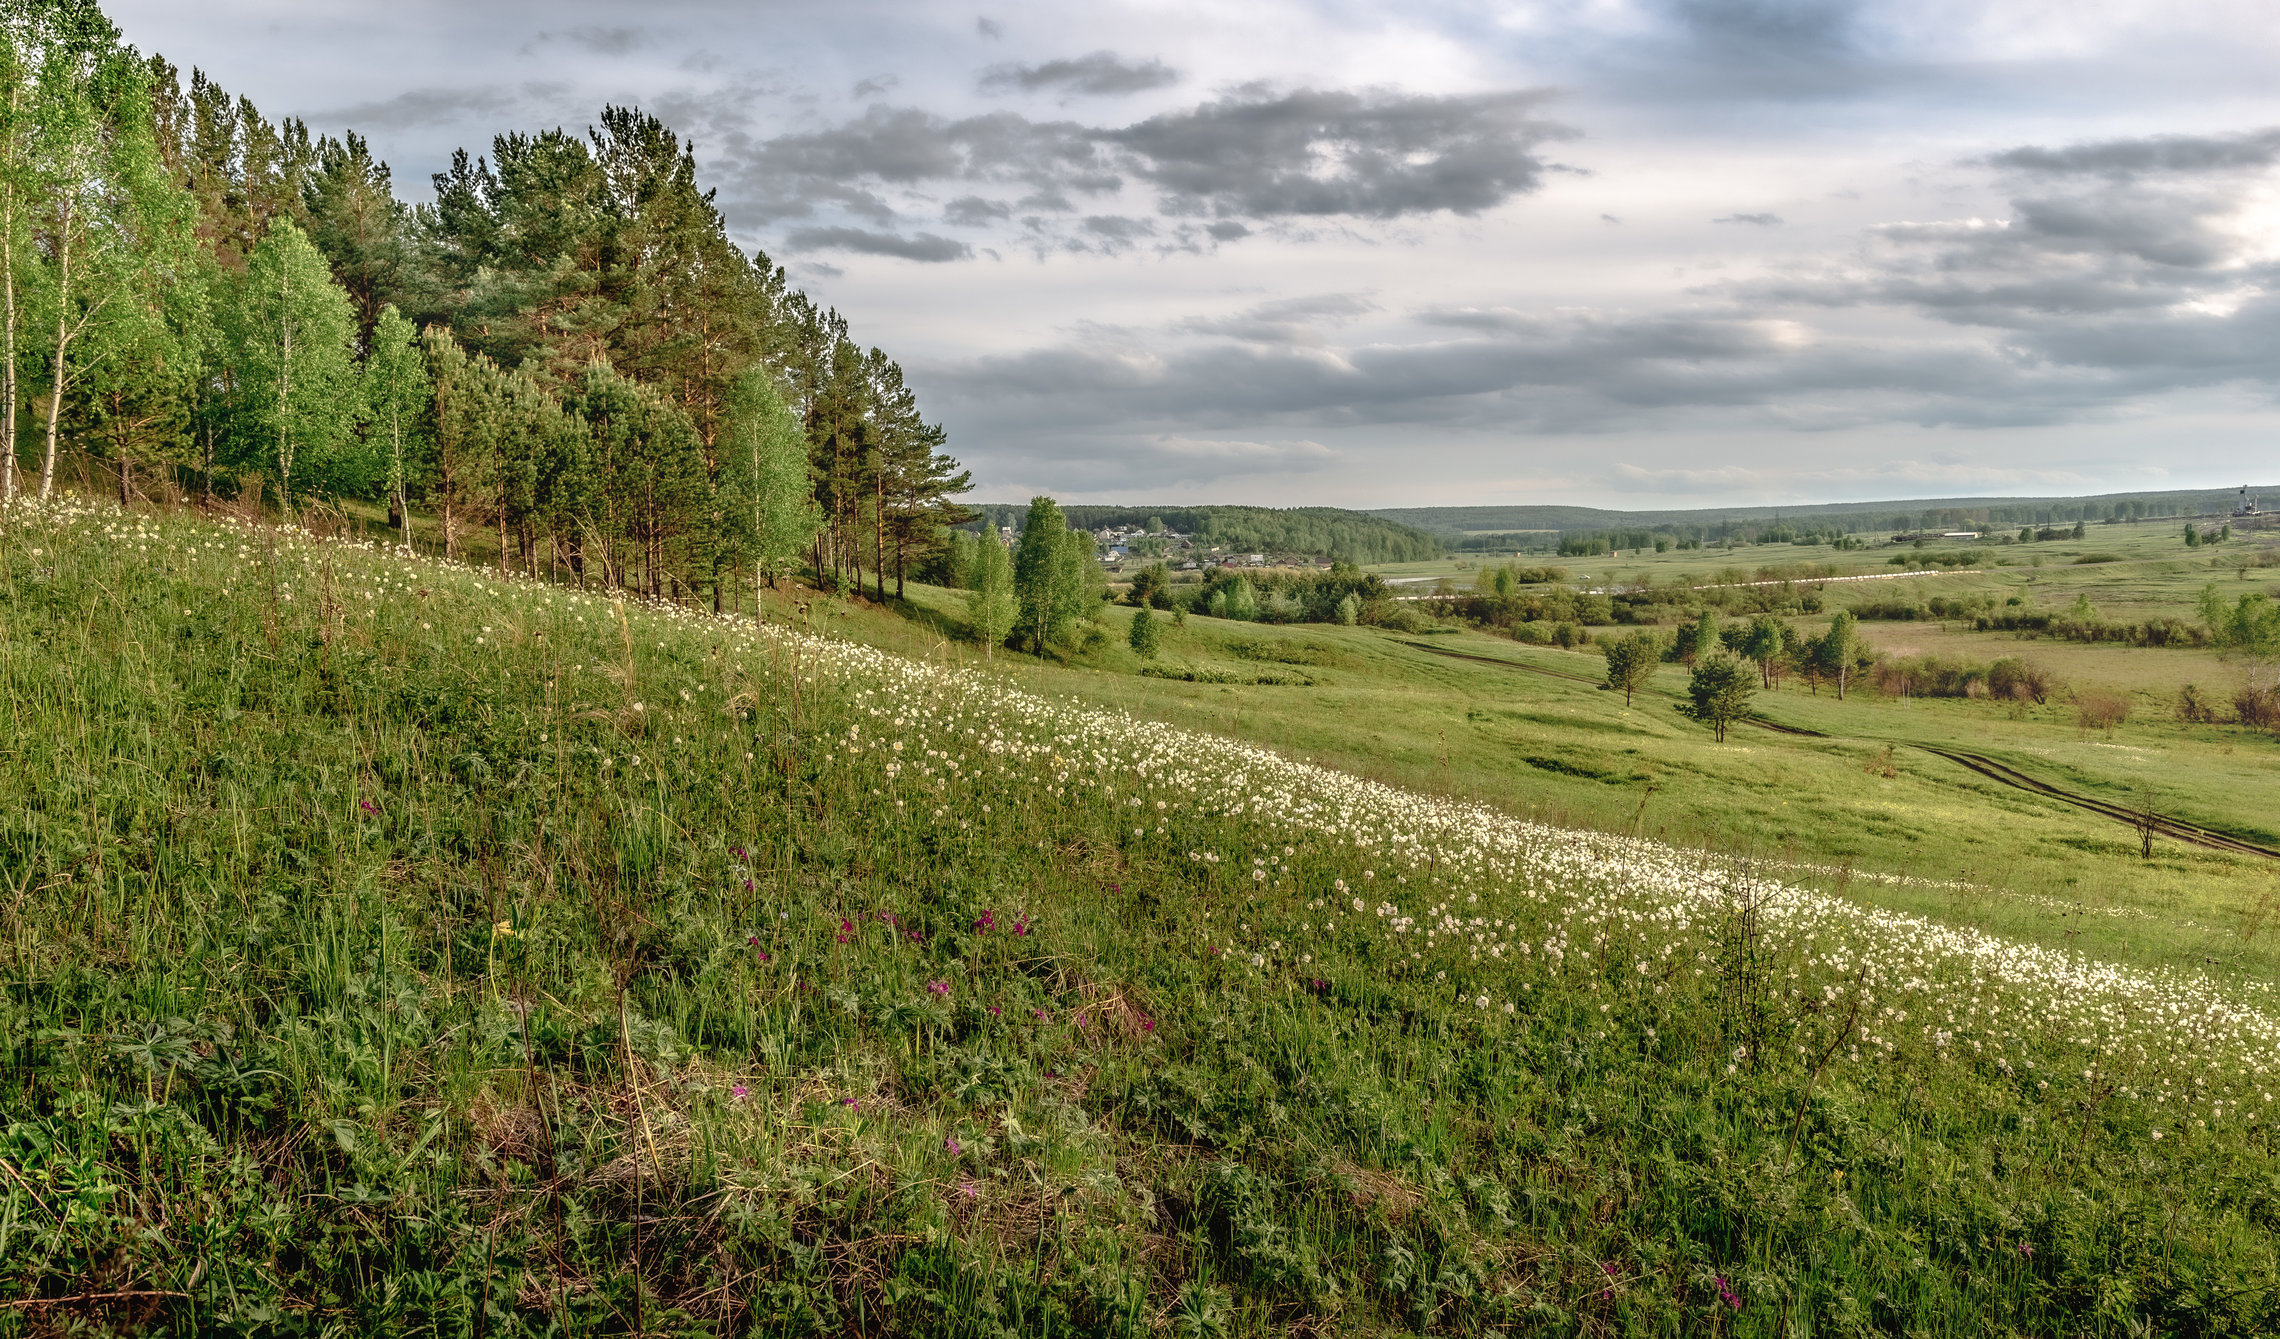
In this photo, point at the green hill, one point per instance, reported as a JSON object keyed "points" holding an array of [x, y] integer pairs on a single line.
{"points": [[392, 948]]}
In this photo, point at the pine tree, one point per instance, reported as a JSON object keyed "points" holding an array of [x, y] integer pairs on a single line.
{"points": [[1631, 662], [355, 219], [1718, 693]]}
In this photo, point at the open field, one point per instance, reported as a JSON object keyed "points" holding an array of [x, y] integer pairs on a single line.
{"points": [[388, 947], [1569, 752]]}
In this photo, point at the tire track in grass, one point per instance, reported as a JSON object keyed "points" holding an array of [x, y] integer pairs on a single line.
{"points": [[2176, 829]]}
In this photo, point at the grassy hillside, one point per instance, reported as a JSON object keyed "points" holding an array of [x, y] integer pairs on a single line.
{"points": [[391, 948]]}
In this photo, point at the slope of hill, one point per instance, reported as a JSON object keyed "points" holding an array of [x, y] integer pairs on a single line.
{"points": [[395, 948]]}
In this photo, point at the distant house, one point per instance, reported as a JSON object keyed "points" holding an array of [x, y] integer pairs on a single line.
{"points": [[1115, 553], [1960, 534]]}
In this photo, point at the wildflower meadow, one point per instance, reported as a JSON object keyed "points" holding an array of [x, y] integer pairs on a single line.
{"points": [[390, 947]]}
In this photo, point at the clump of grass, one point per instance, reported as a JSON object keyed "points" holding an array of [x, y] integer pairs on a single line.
{"points": [[392, 948]]}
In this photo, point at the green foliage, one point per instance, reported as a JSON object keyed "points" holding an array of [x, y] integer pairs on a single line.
{"points": [[763, 442], [1718, 693], [992, 607], [294, 333], [1631, 662], [1147, 635], [397, 398]]}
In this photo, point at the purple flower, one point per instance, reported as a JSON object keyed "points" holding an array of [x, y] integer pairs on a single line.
{"points": [[951, 1146], [752, 941], [985, 924], [2026, 1250], [917, 938], [740, 1092], [1726, 1294], [1115, 887], [995, 1011], [763, 955], [938, 988], [368, 806], [1147, 1024], [740, 853], [849, 1102], [748, 885], [969, 1190], [1080, 1020], [1040, 1013], [1021, 927]]}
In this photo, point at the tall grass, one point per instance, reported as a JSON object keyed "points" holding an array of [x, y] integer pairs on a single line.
{"points": [[394, 949]]}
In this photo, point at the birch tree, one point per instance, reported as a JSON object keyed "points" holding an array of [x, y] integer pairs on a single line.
{"points": [[295, 333], [396, 399]]}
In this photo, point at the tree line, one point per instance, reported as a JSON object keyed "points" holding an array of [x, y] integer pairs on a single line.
{"points": [[564, 358]]}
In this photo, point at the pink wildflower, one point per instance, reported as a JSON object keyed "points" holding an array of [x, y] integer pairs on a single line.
{"points": [[938, 988], [740, 1092]]}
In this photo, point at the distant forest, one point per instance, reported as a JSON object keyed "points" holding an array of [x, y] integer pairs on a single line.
{"points": [[1545, 528], [1317, 532]]}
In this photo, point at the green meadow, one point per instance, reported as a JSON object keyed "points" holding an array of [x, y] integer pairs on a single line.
{"points": [[394, 948]]}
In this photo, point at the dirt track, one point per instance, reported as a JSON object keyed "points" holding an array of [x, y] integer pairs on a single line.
{"points": [[2176, 829]]}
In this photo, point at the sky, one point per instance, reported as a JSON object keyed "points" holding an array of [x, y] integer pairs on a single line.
{"points": [[1621, 253]]}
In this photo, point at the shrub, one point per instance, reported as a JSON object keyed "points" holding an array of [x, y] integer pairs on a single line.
{"points": [[2101, 709], [2193, 709], [2258, 705], [2020, 680]]}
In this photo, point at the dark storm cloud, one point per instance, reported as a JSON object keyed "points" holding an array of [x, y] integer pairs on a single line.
{"points": [[1256, 155], [1332, 152], [924, 246], [1101, 73], [2154, 155], [850, 164], [420, 107], [972, 211]]}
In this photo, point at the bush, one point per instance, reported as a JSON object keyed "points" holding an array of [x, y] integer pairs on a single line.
{"points": [[2193, 709], [2020, 680], [2101, 709], [2258, 705]]}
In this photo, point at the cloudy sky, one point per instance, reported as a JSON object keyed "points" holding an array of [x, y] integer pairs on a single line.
{"points": [[1617, 252]]}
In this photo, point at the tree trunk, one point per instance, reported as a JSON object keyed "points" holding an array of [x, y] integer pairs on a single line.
{"points": [[62, 347], [8, 377], [284, 396]]}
